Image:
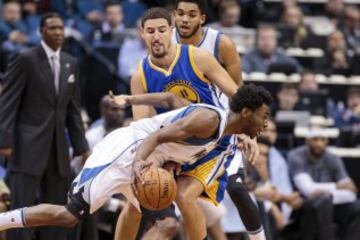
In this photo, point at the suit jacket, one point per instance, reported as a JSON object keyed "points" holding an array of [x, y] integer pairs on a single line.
{"points": [[34, 118]]}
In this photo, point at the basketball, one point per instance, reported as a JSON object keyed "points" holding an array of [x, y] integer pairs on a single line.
{"points": [[158, 190]]}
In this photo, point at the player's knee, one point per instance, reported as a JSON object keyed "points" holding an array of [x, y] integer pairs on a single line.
{"points": [[184, 199], [65, 219], [168, 226]]}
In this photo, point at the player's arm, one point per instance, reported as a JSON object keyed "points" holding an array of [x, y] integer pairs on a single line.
{"points": [[201, 123], [230, 59], [136, 87], [166, 100], [214, 72]]}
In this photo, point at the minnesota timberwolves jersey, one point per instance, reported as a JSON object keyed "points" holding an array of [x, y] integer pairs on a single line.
{"points": [[186, 151], [210, 42], [183, 78]]}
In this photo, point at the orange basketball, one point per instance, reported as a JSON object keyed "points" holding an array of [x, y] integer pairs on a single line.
{"points": [[158, 190]]}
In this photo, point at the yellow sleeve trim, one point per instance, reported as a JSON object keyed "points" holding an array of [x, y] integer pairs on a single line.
{"points": [[142, 76], [197, 71]]}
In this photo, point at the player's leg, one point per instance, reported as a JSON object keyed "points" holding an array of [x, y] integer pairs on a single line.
{"points": [[213, 215], [39, 215], [166, 223], [128, 223], [246, 207], [189, 189]]}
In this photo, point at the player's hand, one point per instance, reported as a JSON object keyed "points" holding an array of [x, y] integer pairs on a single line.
{"points": [[121, 100], [249, 147], [172, 167], [6, 152], [139, 167]]}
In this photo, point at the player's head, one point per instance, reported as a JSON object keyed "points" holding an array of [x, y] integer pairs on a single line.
{"points": [[156, 31], [189, 16], [251, 104]]}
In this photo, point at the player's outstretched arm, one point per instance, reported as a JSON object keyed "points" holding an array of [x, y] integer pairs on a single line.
{"points": [[202, 123], [164, 100]]}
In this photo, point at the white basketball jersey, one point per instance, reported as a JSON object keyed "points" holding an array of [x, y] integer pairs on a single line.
{"points": [[187, 151], [210, 42]]}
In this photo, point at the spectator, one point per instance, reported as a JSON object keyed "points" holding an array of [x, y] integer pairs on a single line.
{"points": [[112, 117], [32, 20], [349, 117], [351, 27], [229, 14], [128, 63], [334, 10], [112, 23], [39, 102], [267, 53], [12, 29], [287, 99], [279, 178], [308, 82], [337, 58], [330, 193], [292, 21]]}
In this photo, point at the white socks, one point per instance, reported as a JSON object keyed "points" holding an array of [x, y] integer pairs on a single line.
{"points": [[258, 235], [12, 219]]}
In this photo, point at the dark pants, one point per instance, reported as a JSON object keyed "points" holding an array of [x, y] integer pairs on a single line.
{"points": [[26, 190], [319, 219]]}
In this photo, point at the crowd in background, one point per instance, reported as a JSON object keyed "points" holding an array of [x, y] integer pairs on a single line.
{"points": [[311, 43]]}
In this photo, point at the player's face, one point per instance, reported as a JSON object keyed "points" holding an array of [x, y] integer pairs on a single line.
{"points": [[188, 19], [257, 121], [156, 34]]}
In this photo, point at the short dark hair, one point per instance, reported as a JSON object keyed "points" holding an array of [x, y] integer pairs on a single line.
{"points": [[154, 13], [47, 16], [250, 96], [200, 3], [264, 140], [111, 3]]}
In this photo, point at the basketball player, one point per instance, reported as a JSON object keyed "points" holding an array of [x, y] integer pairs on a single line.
{"points": [[189, 18], [180, 135], [191, 73]]}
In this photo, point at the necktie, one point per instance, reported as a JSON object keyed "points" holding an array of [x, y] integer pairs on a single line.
{"points": [[56, 70]]}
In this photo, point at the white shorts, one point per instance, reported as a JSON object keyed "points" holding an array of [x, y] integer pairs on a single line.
{"points": [[106, 172]]}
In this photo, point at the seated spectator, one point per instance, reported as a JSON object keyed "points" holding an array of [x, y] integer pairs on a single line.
{"points": [[293, 28], [349, 117], [13, 35], [337, 58], [350, 26], [229, 14], [308, 82], [287, 99], [32, 20], [334, 10], [112, 117], [128, 63], [279, 178], [112, 24], [266, 53], [329, 192]]}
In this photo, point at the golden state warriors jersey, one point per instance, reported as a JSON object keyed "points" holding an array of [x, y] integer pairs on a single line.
{"points": [[183, 78]]}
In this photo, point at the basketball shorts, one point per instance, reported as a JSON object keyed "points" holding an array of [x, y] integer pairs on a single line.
{"points": [[106, 172], [211, 169]]}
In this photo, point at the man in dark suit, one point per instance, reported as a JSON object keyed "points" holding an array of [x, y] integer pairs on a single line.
{"points": [[39, 118]]}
